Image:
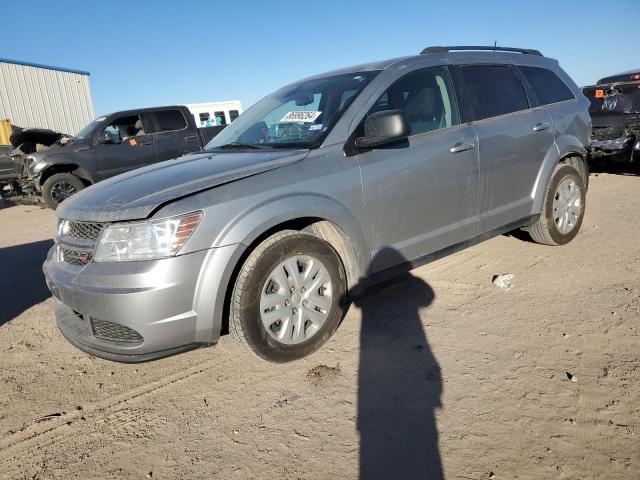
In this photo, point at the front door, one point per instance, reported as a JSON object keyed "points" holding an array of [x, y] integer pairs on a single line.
{"points": [[421, 195], [127, 146]]}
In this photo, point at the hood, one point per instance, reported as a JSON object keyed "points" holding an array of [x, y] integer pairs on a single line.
{"points": [[136, 194], [28, 138]]}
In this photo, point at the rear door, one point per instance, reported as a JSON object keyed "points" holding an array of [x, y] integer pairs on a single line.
{"points": [[129, 146], [513, 141], [554, 95], [173, 135]]}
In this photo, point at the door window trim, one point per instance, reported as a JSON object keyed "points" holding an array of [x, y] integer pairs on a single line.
{"points": [[460, 81], [156, 126], [529, 87], [109, 120], [349, 147]]}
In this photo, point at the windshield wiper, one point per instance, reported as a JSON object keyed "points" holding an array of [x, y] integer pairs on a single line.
{"points": [[239, 145]]}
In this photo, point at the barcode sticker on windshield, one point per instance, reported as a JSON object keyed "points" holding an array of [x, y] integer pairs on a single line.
{"points": [[307, 117]]}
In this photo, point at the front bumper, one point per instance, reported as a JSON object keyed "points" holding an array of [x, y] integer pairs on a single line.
{"points": [[624, 144], [155, 303], [613, 145]]}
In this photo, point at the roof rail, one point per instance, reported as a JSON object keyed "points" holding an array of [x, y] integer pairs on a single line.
{"points": [[528, 51]]}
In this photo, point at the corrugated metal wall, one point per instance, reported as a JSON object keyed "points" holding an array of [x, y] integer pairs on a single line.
{"points": [[32, 96]]}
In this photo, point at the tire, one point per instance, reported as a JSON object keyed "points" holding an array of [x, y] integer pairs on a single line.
{"points": [[546, 231], [59, 187], [251, 297]]}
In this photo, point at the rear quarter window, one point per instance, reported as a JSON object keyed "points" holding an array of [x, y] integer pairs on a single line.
{"points": [[547, 86], [493, 90], [168, 120]]}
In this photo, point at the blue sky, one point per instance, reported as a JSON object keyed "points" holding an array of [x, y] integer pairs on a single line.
{"points": [[146, 53]]}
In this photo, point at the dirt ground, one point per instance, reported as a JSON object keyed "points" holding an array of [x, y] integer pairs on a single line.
{"points": [[438, 367]]}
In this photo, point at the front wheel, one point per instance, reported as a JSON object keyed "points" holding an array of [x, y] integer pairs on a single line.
{"points": [[563, 208], [58, 187], [289, 297]]}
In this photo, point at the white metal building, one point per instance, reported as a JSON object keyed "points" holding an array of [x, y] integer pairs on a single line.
{"points": [[42, 96]]}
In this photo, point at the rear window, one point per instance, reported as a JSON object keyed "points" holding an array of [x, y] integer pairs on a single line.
{"points": [[168, 120], [493, 90], [547, 85]]}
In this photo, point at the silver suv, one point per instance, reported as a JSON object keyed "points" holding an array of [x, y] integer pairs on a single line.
{"points": [[318, 190]]}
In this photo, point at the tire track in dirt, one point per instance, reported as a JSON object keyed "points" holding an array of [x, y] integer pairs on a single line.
{"points": [[40, 431]]}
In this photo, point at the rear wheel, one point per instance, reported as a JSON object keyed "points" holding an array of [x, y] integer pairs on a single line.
{"points": [[563, 208], [288, 298], [58, 187]]}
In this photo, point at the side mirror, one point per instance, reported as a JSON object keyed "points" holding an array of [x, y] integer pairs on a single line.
{"points": [[104, 138], [382, 128]]}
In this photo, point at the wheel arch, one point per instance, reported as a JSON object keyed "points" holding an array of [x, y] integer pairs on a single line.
{"points": [[567, 149], [318, 215], [340, 229], [70, 167]]}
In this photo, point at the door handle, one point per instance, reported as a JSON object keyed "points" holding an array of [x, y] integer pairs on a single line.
{"points": [[145, 143], [190, 137], [541, 126], [462, 146]]}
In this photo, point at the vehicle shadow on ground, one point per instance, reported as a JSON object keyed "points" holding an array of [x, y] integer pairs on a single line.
{"points": [[22, 282], [7, 202], [616, 168], [399, 383]]}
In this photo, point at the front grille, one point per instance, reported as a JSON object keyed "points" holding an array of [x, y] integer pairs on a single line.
{"points": [[78, 241], [76, 257], [85, 230], [114, 331]]}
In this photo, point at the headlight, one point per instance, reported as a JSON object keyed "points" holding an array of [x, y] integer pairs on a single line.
{"points": [[146, 240]]}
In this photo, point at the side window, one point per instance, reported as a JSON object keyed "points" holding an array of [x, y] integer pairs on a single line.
{"points": [[204, 118], [122, 128], [547, 85], [168, 120], [493, 90], [220, 118], [233, 114], [346, 95], [426, 96]]}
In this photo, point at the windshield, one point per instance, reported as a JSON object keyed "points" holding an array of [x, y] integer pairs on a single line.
{"points": [[86, 131], [297, 116]]}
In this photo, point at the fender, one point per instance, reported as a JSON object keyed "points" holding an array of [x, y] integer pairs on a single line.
{"points": [[62, 162], [564, 146], [231, 244], [66, 167], [250, 224]]}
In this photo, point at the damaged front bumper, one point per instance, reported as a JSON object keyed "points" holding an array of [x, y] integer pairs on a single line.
{"points": [[609, 147], [626, 145]]}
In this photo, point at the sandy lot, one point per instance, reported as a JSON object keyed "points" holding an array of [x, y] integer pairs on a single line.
{"points": [[435, 370]]}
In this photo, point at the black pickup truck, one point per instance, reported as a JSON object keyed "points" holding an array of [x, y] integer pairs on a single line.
{"points": [[56, 166], [615, 117]]}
